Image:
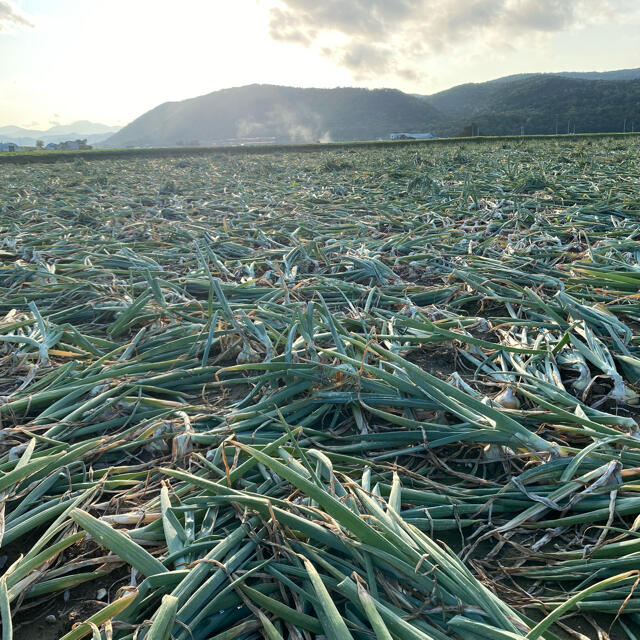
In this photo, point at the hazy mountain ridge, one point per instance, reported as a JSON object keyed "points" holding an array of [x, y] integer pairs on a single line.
{"points": [[94, 132], [85, 126]]}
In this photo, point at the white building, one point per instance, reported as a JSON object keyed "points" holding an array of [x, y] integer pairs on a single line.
{"points": [[412, 136]]}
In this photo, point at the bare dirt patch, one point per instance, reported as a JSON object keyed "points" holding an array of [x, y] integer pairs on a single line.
{"points": [[438, 360], [31, 622]]}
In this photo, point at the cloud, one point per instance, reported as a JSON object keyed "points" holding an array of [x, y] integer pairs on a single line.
{"points": [[373, 38], [362, 58], [11, 17]]}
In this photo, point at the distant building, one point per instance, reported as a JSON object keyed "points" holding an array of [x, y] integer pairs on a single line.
{"points": [[412, 136], [52, 146], [9, 146], [73, 145]]}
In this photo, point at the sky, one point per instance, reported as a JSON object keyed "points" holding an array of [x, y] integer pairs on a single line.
{"points": [[109, 61]]}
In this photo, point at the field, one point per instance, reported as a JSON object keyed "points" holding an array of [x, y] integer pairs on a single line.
{"points": [[31, 157], [364, 393]]}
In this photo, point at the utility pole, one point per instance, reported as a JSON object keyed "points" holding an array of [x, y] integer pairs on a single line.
{"points": [[625, 125], [568, 130], [556, 125], [521, 129]]}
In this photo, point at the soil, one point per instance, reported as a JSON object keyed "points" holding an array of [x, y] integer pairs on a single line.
{"points": [[30, 621], [438, 360]]}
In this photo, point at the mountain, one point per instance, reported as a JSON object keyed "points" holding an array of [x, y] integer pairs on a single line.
{"points": [[17, 131], [538, 103], [279, 114], [620, 74], [86, 127], [94, 132]]}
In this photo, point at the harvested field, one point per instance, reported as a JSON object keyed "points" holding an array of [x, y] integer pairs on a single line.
{"points": [[352, 394]]}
